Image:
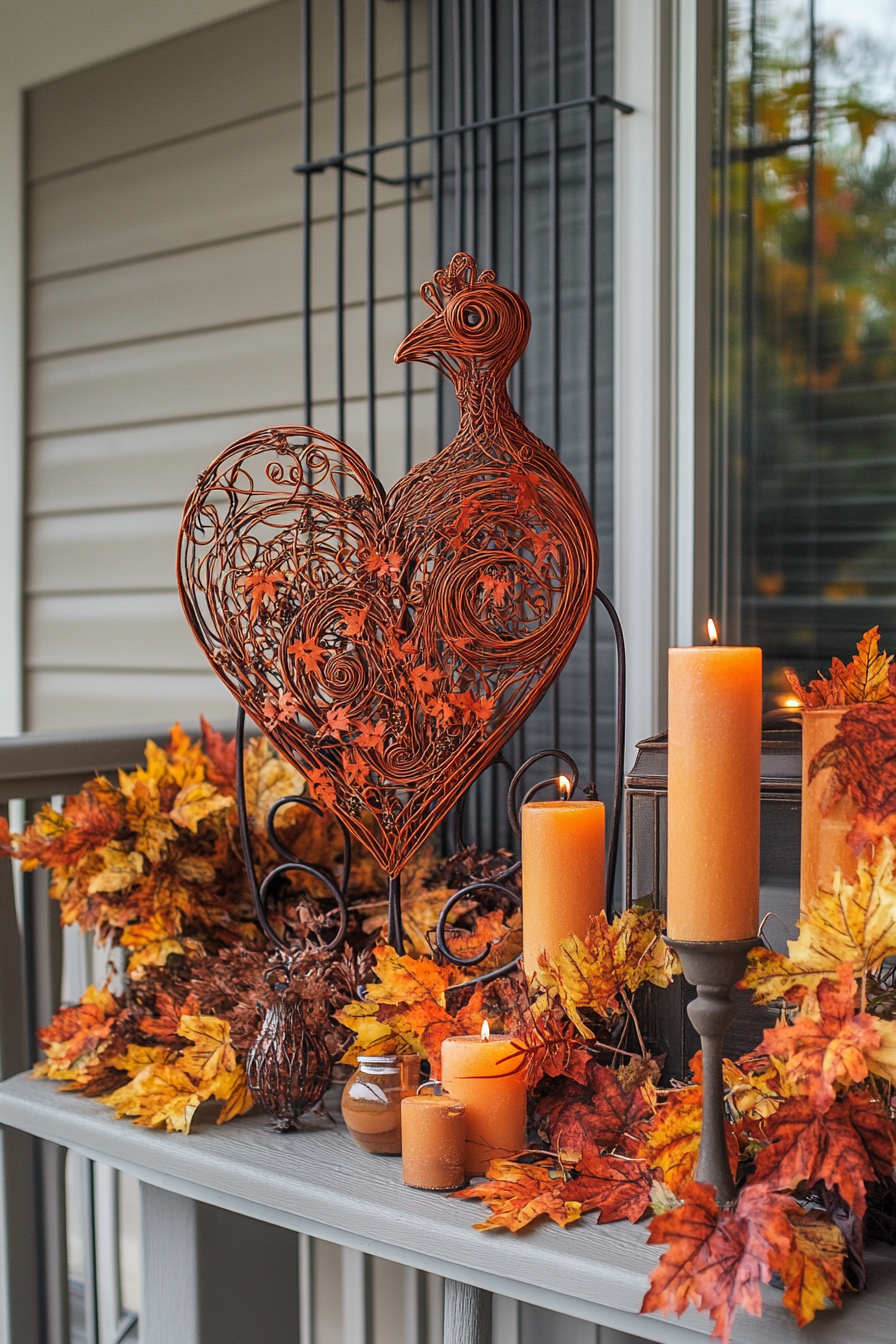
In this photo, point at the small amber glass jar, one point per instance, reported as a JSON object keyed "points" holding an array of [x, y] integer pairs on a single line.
{"points": [[371, 1104]]}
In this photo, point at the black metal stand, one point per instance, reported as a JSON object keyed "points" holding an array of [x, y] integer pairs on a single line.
{"points": [[715, 969]]}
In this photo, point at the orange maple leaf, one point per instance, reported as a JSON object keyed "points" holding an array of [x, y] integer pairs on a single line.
{"points": [[517, 1193], [526, 484], [866, 680], [717, 1259], [852, 1142], [618, 1187], [281, 710], [322, 785], [829, 1044], [672, 1140], [310, 653], [259, 586], [356, 769], [468, 511]]}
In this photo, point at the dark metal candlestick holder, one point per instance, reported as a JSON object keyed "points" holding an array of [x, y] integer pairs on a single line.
{"points": [[714, 968]]}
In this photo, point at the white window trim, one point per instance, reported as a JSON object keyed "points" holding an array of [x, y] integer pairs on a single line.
{"points": [[661, 306]]}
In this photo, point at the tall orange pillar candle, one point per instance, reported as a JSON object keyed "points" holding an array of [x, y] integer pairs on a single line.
{"points": [[563, 873], [715, 748], [484, 1073]]}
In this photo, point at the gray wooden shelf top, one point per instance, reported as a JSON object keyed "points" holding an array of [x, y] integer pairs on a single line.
{"points": [[318, 1182]]}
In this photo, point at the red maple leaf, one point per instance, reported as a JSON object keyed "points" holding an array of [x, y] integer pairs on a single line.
{"points": [[310, 653], [260, 585], [473, 707], [550, 1045], [440, 709], [590, 1120], [221, 770], [618, 1186], [543, 547], [852, 1142]]}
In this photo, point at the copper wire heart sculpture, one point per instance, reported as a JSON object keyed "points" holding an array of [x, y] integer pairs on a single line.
{"points": [[390, 644]]}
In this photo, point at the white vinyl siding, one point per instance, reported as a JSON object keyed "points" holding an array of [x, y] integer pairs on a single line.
{"points": [[165, 319]]}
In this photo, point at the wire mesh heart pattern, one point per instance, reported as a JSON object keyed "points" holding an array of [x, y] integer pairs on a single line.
{"points": [[390, 644]]}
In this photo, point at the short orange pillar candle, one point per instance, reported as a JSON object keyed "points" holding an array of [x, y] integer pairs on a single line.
{"points": [[563, 873], [715, 758], [485, 1073], [433, 1140]]}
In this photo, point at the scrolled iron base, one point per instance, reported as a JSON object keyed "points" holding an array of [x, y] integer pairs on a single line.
{"points": [[714, 968]]}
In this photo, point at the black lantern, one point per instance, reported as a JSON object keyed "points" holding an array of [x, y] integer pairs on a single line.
{"points": [[664, 1011]]}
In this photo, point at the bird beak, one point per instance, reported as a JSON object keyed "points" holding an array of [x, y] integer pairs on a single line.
{"points": [[424, 341]]}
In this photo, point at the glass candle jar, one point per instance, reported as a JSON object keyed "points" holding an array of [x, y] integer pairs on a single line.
{"points": [[824, 831], [371, 1104]]}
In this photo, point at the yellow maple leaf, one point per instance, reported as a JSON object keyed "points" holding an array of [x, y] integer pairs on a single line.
{"points": [[211, 1053], [160, 1094], [372, 1037], [152, 942], [233, 1089], [854, 922], [111, 868], [151, 829], [138, 1057], [594, 971], [195, 802], [268, 777]]}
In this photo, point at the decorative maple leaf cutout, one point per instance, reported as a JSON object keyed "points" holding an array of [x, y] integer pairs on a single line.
{"points": [[716, 1260], [867, 679], [260, 585], [853, 923], [595, 972]]}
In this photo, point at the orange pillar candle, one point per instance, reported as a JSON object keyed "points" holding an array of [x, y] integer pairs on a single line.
{"points": [[715, 749], [485, 1074], [563, 873], [433, 1139]]}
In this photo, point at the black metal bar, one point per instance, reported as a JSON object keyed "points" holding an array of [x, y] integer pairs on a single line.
{"points": [[307, 201], [371, 235], [517, 120], [435, 65], [395, 929], [459, 139], [408, 238], [339, 21], [554, 276], [620, 743], [443, 133], [591, 358]]}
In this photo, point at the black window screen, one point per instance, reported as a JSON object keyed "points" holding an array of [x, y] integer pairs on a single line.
{"points": [[473, 125]]}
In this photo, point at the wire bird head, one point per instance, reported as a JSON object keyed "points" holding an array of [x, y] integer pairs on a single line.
{"points": [[477, 325]]}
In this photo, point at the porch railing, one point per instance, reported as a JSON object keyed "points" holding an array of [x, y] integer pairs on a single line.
{"points": [[62, 1271]]}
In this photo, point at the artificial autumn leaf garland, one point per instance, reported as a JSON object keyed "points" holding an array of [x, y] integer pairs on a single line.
{"points": [[153, 866]]}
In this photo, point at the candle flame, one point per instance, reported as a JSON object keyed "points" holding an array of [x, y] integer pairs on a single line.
{"points": [[712, 631], [484, 1033], [563, 785], [792, 703]]}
